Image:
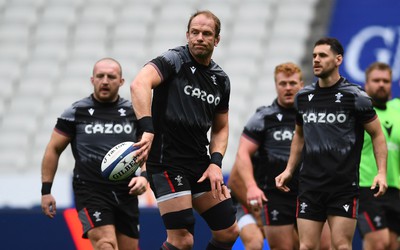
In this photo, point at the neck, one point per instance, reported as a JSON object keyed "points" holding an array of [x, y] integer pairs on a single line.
{"points": [[328, 81]]}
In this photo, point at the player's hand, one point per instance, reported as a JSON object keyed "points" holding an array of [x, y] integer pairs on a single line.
{"points": [[218, 188], [49, 205], [144, 146], [282, 179], [255, 196], [138, 185], [380, 183]]}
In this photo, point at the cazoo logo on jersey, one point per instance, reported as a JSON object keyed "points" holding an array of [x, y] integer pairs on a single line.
{"points": [[201, 94], [108, 128], [282, 135], [377, 43], [324, 117]]}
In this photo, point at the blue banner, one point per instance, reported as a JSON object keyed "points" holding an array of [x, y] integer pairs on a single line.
{"points": [[369, 31]]}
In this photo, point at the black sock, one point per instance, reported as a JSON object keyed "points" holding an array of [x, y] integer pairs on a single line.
{"points": [[215, 245], [168, 246]]}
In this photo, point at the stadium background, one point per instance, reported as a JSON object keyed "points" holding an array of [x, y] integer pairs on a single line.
{"points": [[48, 48]]}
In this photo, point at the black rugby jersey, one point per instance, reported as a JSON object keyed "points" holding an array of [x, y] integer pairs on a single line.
{"points": [[94, 128], [183, 107], [332, 119], [271, 128]]}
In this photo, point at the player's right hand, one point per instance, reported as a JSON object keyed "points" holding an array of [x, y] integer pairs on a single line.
{"points": [[49, 205], [255, 196], [144, 146]]}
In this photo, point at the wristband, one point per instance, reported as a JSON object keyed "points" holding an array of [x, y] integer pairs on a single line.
{"points": [[144, 174], [216, 158], [145, 124], [46, 187]]}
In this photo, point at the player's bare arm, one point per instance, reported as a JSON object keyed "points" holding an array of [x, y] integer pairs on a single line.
{"points": [[52, 154], [374, 129], [254, 195], [295, 155], [218, 144], [141, 93]]}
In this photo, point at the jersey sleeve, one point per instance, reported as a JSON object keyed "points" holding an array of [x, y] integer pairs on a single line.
{"points": [[66, 122], [167, 64], [223, 106], [255, 127], [364, 109]]}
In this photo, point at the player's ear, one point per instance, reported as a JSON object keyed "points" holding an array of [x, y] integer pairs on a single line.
{"points": [[339, 59], [217, 41]]}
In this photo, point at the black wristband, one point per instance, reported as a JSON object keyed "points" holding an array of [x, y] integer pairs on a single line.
{"points": [[144, 174], [145, 124], [46, 187], [216, 158]]}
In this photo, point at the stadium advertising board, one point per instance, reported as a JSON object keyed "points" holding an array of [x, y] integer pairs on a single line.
{"points": [[369, 31]]}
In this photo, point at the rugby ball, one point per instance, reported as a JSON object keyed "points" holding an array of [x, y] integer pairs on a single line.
{"points": [[119, 162]]}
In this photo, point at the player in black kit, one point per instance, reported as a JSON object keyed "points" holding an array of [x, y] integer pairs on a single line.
{"points": [[262, 154], [107, 209], [331, 117], [191, 95]]}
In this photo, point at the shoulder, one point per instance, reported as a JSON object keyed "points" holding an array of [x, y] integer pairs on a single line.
{"points": [[394, 103], [265, 111], [352, 88], [307, 89], [122, 102], [69, 113]]}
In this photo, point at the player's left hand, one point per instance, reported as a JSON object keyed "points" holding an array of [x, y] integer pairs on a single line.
{"points": [[138, 185], [379, 182], [218, 188]]}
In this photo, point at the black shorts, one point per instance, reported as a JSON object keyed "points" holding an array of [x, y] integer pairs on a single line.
{"points": [[168, 182], [99, 206], [379, 212], [315, 205], [280, 209]]}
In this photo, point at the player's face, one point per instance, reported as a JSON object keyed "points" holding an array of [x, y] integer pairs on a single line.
{"points": [[287, 87], [378, 85], [201, 38], [106, 81], [325, 61]]}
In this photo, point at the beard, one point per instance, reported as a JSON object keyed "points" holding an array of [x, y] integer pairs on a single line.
{"points": [[324, 73], [380, 99]]}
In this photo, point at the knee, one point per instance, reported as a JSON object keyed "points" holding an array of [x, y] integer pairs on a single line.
{"points": [[253, 243], [227, 235], [104, 244]]}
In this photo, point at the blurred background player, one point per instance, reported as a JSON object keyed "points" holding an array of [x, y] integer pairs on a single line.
{"points": [[263, 153], [108, 210], [332, 115], [191, 96], [379, 217]]}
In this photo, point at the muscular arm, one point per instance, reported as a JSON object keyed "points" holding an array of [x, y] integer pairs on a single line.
{"points": [[54, 148], [296, 149], [141, 90], [246, 171], [219, 133], [141, 94], [374, 129], [218, 143]]}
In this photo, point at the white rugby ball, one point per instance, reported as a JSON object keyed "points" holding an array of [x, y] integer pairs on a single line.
{"points": [[119, 163]]}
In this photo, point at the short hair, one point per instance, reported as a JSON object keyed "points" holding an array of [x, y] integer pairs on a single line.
{"points": [[288, 69], [209, 14], [378, 66], [336, 46], [110, 59]]}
